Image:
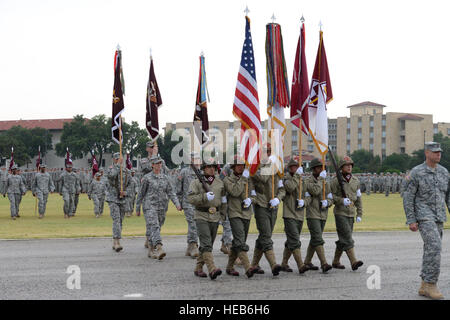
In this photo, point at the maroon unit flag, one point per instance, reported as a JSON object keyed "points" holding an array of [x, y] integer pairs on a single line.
{"points": [[68, 158], [38, 160], [11, 162], [300, 86], [117, 102], [201, 123], [94, 164], [128, 162], [153, 102]]}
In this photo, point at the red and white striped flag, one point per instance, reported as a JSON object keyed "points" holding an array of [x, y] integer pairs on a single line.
{"points": [[246, 105], [300, 86]]}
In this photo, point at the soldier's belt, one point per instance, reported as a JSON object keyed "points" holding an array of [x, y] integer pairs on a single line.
{"points": [[210, 210]]}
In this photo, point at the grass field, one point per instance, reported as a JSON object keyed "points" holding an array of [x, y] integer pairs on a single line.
{"points": [[380, 213]]}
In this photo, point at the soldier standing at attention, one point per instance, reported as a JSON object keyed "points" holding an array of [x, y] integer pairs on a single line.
{"points": [[427, 194], [345, 209], [239, 199], [78, 188], [185, 179], [317, 214], [15, 188], [68, 187], [96, 192], [115, 196], [293, 216], [209, 207], [41, 187], [266, 208], [154, 185]]}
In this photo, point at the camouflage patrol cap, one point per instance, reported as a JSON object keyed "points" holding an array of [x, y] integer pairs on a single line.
{"points": [[98, 174], [69, 165], [315, 163], [433, 146], [150, 144], [156, 159], [116, 155], [344, 161], [14, 167]]}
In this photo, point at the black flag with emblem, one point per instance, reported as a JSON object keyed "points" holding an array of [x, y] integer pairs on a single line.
{"points": [[154, 101], [117, 103]]}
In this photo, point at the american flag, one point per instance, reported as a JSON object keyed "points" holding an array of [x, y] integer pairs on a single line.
{"points": [[246, 104]]}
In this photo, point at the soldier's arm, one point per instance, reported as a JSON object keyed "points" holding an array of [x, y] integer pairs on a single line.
{"points": [[235, 189], [91, 186], [281, 192], [314, 189], [335, 190], [329, 194], [447, 195], [196, 195], [51, 185], [22, 186], [291, 183], [142, 193], [34, 185], [259, 177], [172, 195], [224, 205], [409, 199], [358, 204]]}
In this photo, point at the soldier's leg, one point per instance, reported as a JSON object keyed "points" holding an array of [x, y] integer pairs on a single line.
{"points": [[238, 243], [41, 204], [96, 204], [155, 218], [316, 239], [18, 201], [344, 228], [207, 232], [192, 237], [101, 204], [75, 203], [431, 233], [12, 204], [226, 236], [66, 199], [71, 212], [291, 242]]}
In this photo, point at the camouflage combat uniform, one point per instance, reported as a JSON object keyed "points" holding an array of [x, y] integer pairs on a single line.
{"points": [[186, 177], [97, 192], [68, 186], [15, 188], [79, 187], [41, 187]]}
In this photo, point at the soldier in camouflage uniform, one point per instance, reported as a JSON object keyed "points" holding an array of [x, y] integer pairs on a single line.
{"points": [[41, 187], [68, 180], [78, 185], [96, 192], [209, 207], [317, 213], [15, 188], [240, 192], [387, 183], [424, 202], [185, 179], [116, 196], [154, 185], [132, 191], [293, 216], [369, 184], [270, 192], [345, 210]]}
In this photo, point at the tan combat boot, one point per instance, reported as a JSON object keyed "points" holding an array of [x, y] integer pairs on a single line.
{"points": [[270, 256], [257, 255], [114, 244], [41, 216], [284, 264], [209, 261], [119, 247], [249, 270], [309, 255], [230, 266], [199, 267], [151, 252], [146, 243], [194, 250], [422, 289], [431, 291], [188, 250], [298, 258], [323, 261], [351, 256], [336, 261], [160, 254], [224, 249]]}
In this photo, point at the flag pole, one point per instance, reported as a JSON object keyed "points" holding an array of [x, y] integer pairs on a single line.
{"points": [[300, 158], [323, 182], [120, 155]]}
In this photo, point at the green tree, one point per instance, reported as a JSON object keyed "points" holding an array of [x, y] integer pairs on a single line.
{"points": [[396, 162], [75, 136]]}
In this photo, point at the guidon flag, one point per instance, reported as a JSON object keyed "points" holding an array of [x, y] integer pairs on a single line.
{"points": [[153, 103], [117, 101]]}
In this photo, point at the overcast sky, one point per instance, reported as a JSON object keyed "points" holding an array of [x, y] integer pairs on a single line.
{"points": [[56, 57]]}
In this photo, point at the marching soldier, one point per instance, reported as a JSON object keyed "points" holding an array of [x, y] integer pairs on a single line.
{"points": [[133, 189], [239, 198], [345, 210], [317, 214], [115, 196], [154, 185], [185, 179], [266, 208], [387, 183], [369, 184], [293, 216], [209, 207], [68, 186], [424, 202], [15, 188], [96, 193], [41, 187], [78, 188]]}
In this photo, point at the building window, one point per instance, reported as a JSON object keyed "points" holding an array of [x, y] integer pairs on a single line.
{"points": [[448, 131], [383, 134], [371, 123], [348, 136], [348, 125], [359, 135], [383, 122], [371, 135], [231, 125], [348, 148], [383, 146], [103, 162], [402, 150], [359, 146], [402, 138], [371, 146]]}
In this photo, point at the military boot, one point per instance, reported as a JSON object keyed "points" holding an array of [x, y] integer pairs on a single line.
{"points": [[270, 256], [249, 270], [422, 289], [188, 250], [199, 267], [194, 250], [309, 255], [41, 216], [230, 266], [351, 256], [284, 264], [160, 254], [298, 258], [117, 245], [336, 261], [257, 255], [431, 291], [146, 243], [224, 249], [213, 271], [151, 252], [323, 261]]}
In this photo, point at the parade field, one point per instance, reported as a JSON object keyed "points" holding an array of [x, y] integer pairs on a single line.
{"points": [[380, 214]]}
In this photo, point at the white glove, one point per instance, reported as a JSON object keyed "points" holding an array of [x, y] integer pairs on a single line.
{"points": [[358, 219], [273, 159], [210, 196], [301, 202], [358, 193], [274, 202], [323, 174], [224, 199], [253, 193], [324, 203], [347, 202], [247, 202], [330, 196], [246, 173], [280, 184], [299, 170], [307, 194]]}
